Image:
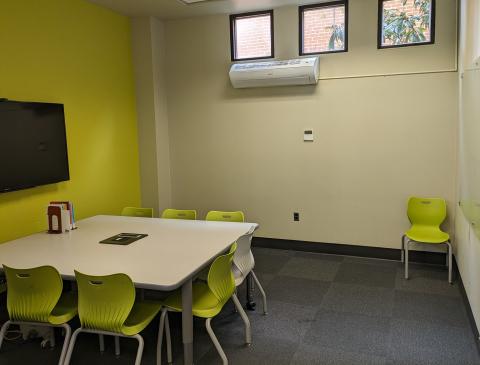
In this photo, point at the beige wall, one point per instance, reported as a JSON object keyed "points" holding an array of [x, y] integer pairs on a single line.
{"points": [[242, 149], [377, 139], [149, 54]]}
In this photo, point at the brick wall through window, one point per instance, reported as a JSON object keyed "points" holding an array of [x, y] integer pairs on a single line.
{"points": [[318, 28], [253, 37]]}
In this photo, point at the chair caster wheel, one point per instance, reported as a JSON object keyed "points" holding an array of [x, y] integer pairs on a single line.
{"points": [[251, 306]]}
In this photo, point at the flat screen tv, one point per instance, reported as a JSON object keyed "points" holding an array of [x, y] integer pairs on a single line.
{"points": [[33, 145]]}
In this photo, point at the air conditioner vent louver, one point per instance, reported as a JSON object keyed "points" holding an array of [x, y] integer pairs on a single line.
{"points": [[302, 71]]}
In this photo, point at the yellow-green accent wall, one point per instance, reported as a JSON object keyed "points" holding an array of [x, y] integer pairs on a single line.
{"points": [[78, 54]]}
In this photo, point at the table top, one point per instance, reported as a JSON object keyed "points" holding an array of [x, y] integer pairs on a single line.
{"points": [[173, 251]]}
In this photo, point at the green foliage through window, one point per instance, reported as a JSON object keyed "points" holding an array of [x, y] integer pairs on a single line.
{"points": [[407, 25], [337, 38]]}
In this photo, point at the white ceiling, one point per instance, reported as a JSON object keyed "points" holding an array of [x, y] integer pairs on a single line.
{"points": [[174, 9]]}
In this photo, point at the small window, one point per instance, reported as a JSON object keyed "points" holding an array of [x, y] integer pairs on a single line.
{"points": [[251, 35], [404, 23], [324, 28]]}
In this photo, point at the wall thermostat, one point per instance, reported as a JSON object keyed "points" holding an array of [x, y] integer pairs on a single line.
{"points": [[308, 135]]}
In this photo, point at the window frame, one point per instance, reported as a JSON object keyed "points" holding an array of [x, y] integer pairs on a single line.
{"points": [[301, 10], [233, 34], [380, 29]]}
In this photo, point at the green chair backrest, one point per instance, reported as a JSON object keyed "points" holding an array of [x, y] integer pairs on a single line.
{"points": [[220, 276], [104, 302], [32, 293], [426, 211], [137, 212], [179, 214], [216, 215]]}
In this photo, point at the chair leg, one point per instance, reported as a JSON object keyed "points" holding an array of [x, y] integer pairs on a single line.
{"points": [[215, 342], [406, 259], [101, 340], [264, 296], [403, 249], [66, 342], [164, 323], [3, 331], [71, 346], [52, 338], [138, 359], [450, 255], [117, 346], [169, 340], [246, 321]]}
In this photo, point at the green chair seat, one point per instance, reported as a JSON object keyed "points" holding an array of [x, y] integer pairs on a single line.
{"points": [[142, 313], [179, 214], [426, 215], [137, 212], [219, 216], [209, 298], [107, 306], [65, 310], [35, 297], [205, 303], [427, 234]]}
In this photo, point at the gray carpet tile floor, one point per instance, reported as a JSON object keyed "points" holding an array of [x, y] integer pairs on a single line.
{"points": [[323, 309]]}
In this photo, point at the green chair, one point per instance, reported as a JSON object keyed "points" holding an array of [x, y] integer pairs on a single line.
{"points": [[179, 214], [137, 212], [215, 215], [107, 306], [243, 261], [35, 298], [426, 215], [209, 299]]}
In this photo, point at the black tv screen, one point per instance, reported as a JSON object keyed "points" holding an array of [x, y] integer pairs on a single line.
{"points": [[33, 145]]}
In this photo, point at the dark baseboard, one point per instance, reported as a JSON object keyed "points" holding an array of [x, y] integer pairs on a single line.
{"points": [[435, 258]]}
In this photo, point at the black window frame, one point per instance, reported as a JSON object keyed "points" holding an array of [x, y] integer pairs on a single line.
{"points": [[301, 10], [233, 35], [380, 29]]}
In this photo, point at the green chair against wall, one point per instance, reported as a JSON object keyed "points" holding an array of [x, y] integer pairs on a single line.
{"points": [[107, 306], [179, 214], [137, 212], [219, 216], [35, 298], [243, 261], [426, 215], [209, 299]]}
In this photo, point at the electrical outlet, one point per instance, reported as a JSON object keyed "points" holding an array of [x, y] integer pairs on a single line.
{"points": [[296, 217]]}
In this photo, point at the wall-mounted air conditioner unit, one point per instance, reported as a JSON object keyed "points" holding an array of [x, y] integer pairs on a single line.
{"points": [[302, 71]]}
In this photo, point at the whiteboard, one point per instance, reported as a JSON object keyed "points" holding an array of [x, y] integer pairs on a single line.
{"points": [[469, 151]]}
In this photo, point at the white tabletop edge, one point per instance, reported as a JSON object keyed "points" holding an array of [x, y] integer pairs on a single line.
{"points": [[13, 253]]}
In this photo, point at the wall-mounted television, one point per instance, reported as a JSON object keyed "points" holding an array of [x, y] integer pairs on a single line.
{"points": [[33, 145]]}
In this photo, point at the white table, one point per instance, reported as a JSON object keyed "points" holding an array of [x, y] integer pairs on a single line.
{"points": [[172, 254]]}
